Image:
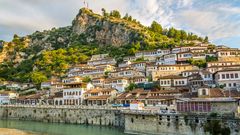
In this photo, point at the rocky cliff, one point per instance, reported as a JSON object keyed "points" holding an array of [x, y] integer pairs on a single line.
{"points": [[51, 52], [102, 30]]}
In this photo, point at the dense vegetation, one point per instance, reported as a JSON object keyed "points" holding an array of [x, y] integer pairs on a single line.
{"points": [[60, 48], [214, 126]]}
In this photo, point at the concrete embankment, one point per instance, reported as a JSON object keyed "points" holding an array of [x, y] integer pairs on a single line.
{"points": [[74, 115], [136, 122]]}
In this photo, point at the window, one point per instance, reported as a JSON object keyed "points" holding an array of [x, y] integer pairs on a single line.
{"points": [[204, 92], [236, 75], [232, 76], [229, 85], [227, 76], [234, 84], [223, 76]]}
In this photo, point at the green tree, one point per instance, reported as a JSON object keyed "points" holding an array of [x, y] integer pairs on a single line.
{"points": [[171, 32], [177, 35], [211, 58], [199, 63], [131, 87], [87, 79], [130, 18], [104, 12], [126, 16], [214, 126], [206, 39], [183, 35], [156, 27], [115, 13], [132, 51], [38, 77]]}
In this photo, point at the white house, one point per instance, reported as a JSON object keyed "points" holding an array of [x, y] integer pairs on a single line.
{"points": [[184, 56], [170, 59], [119, 83], [173, 81], [187, 73], [6, 96], [229, 78], [73, 93], [140, 66], [207, 77]]}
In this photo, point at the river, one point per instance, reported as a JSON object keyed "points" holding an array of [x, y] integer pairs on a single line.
{"points": [[14, 127]]}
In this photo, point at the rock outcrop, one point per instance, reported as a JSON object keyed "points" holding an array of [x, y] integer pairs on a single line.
{"points": [[102, 30]]}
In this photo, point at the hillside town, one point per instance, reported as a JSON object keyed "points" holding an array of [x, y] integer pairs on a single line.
{"points": [[161, 79]]}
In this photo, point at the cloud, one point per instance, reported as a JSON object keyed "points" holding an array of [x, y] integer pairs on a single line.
{"points": [[215, 22]]}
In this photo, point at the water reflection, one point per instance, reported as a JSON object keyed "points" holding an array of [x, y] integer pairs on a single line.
{"points": [[58, 129]]}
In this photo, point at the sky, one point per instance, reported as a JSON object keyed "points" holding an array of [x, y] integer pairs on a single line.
{"points": [[217, 19]]}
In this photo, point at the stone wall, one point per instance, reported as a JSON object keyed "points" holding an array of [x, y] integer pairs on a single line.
{"points": [[172, 124], [106, 117], [131, 121]]}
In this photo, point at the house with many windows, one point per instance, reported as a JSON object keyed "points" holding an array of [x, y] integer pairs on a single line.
{"points": [[228, 78], [177, 69], [232, 52], [182, 57], [7, 96], [100, 96], [173, 81], [128, 72]]}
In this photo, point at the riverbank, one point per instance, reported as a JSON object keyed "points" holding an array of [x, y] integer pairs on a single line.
{"points": [[6, 131], [140, 122]]}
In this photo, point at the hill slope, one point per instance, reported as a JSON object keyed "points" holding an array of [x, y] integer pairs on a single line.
{"points": [[41, 55]]}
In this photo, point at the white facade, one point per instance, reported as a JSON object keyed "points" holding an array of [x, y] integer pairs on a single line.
{"points": [[184, 56], [224, 63], [109, 61], [199, 56], [120, 84], [228, 53], [5, 97], [124, 64], [72, 80], [151, 55], [136, 106], [140, 66], [73, 96], [189, 72], [230, 79], [173, 81], [99, 57], [89, 72], [170, 59]]}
